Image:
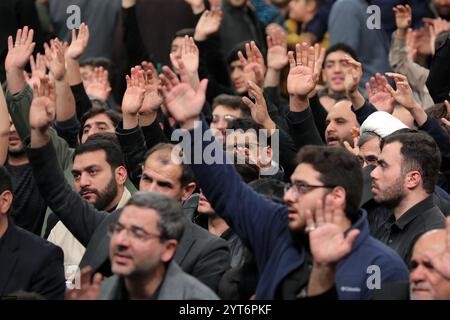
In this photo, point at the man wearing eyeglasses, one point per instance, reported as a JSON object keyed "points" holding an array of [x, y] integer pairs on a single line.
{"points": [[225, 109], [142, 246], [276, 232]]}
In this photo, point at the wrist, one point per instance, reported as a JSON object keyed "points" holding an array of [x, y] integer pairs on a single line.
{"points": [[298, 103], [198, 36], [269, 125], [147, 118], [357, 99], [402, 32], [197, 9]]}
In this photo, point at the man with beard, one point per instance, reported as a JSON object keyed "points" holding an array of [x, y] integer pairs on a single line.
{"points": [[275, 232], [404, 181], [99, 177]]}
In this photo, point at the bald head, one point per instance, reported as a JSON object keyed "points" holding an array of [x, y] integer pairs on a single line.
{"points": [[425, 282]]}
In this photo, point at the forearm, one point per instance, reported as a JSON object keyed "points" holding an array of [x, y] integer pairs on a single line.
{"points": [[68, 130], [19, 109], [153, 134], [73, 74], [130, 121], [272, 78], [298, 104], [364, 112], [15, 80], [82, 102], [357, 99], [147, 118], [419, 115], [65, 101]]}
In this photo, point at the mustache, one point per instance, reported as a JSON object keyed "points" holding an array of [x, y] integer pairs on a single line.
{"points": [[420, 285], [88, 190], [122, 250]]}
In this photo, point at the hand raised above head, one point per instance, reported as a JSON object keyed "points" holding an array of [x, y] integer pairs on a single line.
{"points": [[19, 52]]}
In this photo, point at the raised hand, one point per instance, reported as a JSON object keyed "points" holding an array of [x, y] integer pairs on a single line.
{"points": [[182, 101], [19, 52], [54, 59], [403, 95], [208, 24], [353, 75], [379, 95], [355, 149], [403, 17], [43, 106], [327, 241], [89, 290], [79, 42], [190, 55], [152, 98], [134, 95], [254, 66], [259, 109], [99, 85], [305, 69], [196, 5], [277, 57]]}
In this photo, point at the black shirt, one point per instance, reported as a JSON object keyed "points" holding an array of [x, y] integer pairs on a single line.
{"points": [[401, 235], [28, 205]]}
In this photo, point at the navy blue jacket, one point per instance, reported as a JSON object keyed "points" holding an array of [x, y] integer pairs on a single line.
{"points": [[263, 226]]}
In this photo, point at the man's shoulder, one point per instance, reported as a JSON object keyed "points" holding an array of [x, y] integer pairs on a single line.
{"points": [[30, 243], [180, 285]]}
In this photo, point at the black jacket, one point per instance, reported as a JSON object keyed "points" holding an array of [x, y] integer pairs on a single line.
{"points": [[31, 264], [199, 253]]}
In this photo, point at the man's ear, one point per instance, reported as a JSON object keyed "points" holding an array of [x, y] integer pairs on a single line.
{"points": [[6, 199], [170, 246], [412, 180], [188, 190], [121, 175], [339, 195]]}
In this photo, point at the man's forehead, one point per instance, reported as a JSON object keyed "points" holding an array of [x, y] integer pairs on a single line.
{"points": [[335, 56], [305, 172], [240, 135], [99, 118], [138, 216], [88, 159], [162, 166], [391, 151], [224, 109]]}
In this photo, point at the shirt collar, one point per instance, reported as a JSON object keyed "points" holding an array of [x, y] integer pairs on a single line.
{"points": [[413, 212]]}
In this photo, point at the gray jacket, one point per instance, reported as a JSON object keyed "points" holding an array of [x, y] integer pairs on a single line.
{"points": [[177, 285]]}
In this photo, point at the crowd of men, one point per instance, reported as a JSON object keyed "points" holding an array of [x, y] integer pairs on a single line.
{"points": [[267, 149]]}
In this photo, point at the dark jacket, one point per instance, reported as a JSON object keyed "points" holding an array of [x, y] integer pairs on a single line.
{"points": [[199, 253], [438, 81], [177, 285], [263, 226], [31, 264]]}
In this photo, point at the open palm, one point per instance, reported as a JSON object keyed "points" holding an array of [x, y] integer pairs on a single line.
{"points": [[20, 51], [300, 80], [184, 103]]}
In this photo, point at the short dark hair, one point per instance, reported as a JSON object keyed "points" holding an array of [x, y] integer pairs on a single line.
{"points": [[419, 152], [248, 124], [113, 152], [5, 180], [232, 102], [96, 62], [340, 47], [337, 167], [272, 189], [187, 175], [171, 220]]}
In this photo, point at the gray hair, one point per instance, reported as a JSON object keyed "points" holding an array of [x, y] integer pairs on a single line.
{"points": [[366, 136], [171, 220]]}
